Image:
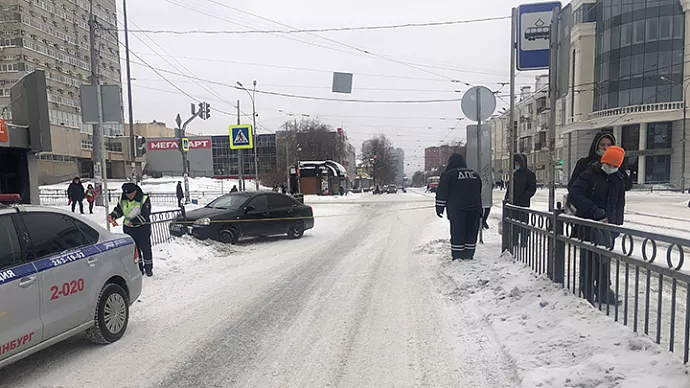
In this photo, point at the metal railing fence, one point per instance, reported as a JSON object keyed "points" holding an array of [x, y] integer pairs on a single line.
{"points": [[635, 277]]}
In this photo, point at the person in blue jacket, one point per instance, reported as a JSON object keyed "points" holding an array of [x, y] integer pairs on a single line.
{"points": [[598, 194]]}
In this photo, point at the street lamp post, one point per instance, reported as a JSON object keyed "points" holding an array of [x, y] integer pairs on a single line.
{"points": [[252, 95], [684, 140]]}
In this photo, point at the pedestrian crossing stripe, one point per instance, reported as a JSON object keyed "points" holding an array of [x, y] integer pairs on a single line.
{"points": [[241, 137]]}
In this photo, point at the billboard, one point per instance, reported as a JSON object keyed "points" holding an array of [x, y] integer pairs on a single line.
{"points": [[172, 144]]}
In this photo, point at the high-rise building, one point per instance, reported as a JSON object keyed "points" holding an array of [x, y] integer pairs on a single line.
{"points": [[54, 36], [399, 157]]}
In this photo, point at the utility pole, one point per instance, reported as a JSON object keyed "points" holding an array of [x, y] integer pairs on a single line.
{"points": [[553, 91], [511, 116], [240, 159], [132, 143], [479, 155], [99, 167], [256, 137]]}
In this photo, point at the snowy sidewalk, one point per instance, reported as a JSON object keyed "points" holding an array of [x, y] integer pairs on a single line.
{"points": [[554, 338]]}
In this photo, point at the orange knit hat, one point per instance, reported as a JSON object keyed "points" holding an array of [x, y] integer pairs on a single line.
{"points": [[613, 156]]}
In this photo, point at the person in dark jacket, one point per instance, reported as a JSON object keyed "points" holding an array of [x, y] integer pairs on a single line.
{"points": [[234, 189], [459, 192], [135, 207], [180, 194], [598, 194], [525, 187], [600, 143], [75, 192]]}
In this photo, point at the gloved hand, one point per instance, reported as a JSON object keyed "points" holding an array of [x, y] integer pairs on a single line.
{"points": [[439, 211], [599, 214]]}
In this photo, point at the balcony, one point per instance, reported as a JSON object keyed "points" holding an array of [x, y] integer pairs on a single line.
{"points": [[655, 107]]}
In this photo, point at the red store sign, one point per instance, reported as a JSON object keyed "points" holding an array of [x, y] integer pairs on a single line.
{"points": [[157, 145]]}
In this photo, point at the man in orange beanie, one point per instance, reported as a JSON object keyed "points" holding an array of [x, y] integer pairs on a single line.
{"points": [[599, 194]]}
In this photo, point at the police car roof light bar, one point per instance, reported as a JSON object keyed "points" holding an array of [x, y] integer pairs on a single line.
{"points": [[10, 198]]}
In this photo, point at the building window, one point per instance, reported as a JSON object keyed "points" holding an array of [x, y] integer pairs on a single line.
{"points": [[114, 147], [87, 144], [658, 169], [659, 136]]}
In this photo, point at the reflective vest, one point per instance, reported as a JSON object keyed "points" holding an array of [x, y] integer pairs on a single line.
{"points": [[128, 205]]}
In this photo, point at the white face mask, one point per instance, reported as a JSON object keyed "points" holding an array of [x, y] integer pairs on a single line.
{"points": [[601, 152], [609, 169]]}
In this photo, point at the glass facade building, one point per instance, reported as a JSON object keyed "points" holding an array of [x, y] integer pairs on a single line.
{"points": [[639, 52], [225, 160]]}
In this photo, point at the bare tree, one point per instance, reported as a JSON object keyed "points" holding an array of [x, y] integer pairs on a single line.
{"points": [[380, 149], [418, 179]]}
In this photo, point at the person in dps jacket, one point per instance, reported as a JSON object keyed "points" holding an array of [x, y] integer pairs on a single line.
{"points": [[525, 187], [459, 192], [135, 207], [598, 194]]}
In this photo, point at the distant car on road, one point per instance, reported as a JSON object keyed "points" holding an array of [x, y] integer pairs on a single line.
{"points": [[60, 276], [235, 215], [392, 189]]}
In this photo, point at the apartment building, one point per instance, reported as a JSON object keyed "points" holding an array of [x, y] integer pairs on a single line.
{"points": [[53, 35]]}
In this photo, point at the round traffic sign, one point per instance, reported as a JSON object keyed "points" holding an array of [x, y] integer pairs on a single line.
{"points": [[487, 101]]}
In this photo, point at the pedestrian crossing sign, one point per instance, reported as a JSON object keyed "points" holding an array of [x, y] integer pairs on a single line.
{"points": [[241, 137]]}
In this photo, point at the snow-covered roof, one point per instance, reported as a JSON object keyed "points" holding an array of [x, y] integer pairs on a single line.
{"points": [[341, 168]]}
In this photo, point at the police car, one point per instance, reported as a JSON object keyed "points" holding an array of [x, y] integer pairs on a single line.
{"points": [[61, 276]]}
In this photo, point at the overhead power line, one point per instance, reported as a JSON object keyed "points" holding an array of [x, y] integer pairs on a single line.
{"points": [[356, 49], [306, 31], [289, 95]]}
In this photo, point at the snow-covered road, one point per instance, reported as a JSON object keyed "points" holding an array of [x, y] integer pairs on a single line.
{"points": [[366, 299]]}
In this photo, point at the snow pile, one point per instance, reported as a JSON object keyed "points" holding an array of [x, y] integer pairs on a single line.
{"points": [[554, 338]]}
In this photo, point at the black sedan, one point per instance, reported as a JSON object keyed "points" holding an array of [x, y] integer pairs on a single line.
{"points": [[241, 214]]}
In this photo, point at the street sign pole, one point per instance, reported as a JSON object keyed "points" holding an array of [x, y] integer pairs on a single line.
{"points": [[479, 156], [240, 161], [551, 133], [102, 161]]}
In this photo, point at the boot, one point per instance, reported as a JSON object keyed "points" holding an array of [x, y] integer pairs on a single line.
{"points": [[485, 225], [141, 268], [149, 270]]}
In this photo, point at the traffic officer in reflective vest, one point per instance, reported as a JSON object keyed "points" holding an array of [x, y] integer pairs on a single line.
{"points": [[135, 207], [459, 192]]}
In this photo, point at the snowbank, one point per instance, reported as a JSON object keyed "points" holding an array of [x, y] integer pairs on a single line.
{"points": [[554, 338]]}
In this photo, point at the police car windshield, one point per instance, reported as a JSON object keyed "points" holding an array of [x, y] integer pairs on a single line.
{"points": [[229, 202]]}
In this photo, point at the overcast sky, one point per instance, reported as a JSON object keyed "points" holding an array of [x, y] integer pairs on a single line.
{"points": [[475, 53]]}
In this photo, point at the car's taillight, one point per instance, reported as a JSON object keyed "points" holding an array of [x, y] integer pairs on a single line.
{"points": [[136, 256]]}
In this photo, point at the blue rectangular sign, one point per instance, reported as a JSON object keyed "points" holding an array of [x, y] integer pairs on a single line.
{"points": [[533, 35]]}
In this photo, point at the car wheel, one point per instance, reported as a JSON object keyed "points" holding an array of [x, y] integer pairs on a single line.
{"points": [[296, 230], [229, 236], [112, 315]]}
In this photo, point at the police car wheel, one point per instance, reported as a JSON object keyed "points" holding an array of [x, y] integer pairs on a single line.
{"points": [[296, 230], [112, 315], [229, 236]]}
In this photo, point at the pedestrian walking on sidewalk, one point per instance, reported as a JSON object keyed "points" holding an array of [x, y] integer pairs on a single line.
{"points": [[459, 193], [180, 194], [90, 197], [75, 192]]}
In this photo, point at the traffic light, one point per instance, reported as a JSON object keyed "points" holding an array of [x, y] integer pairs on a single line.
{"points": [[204, 110]]}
